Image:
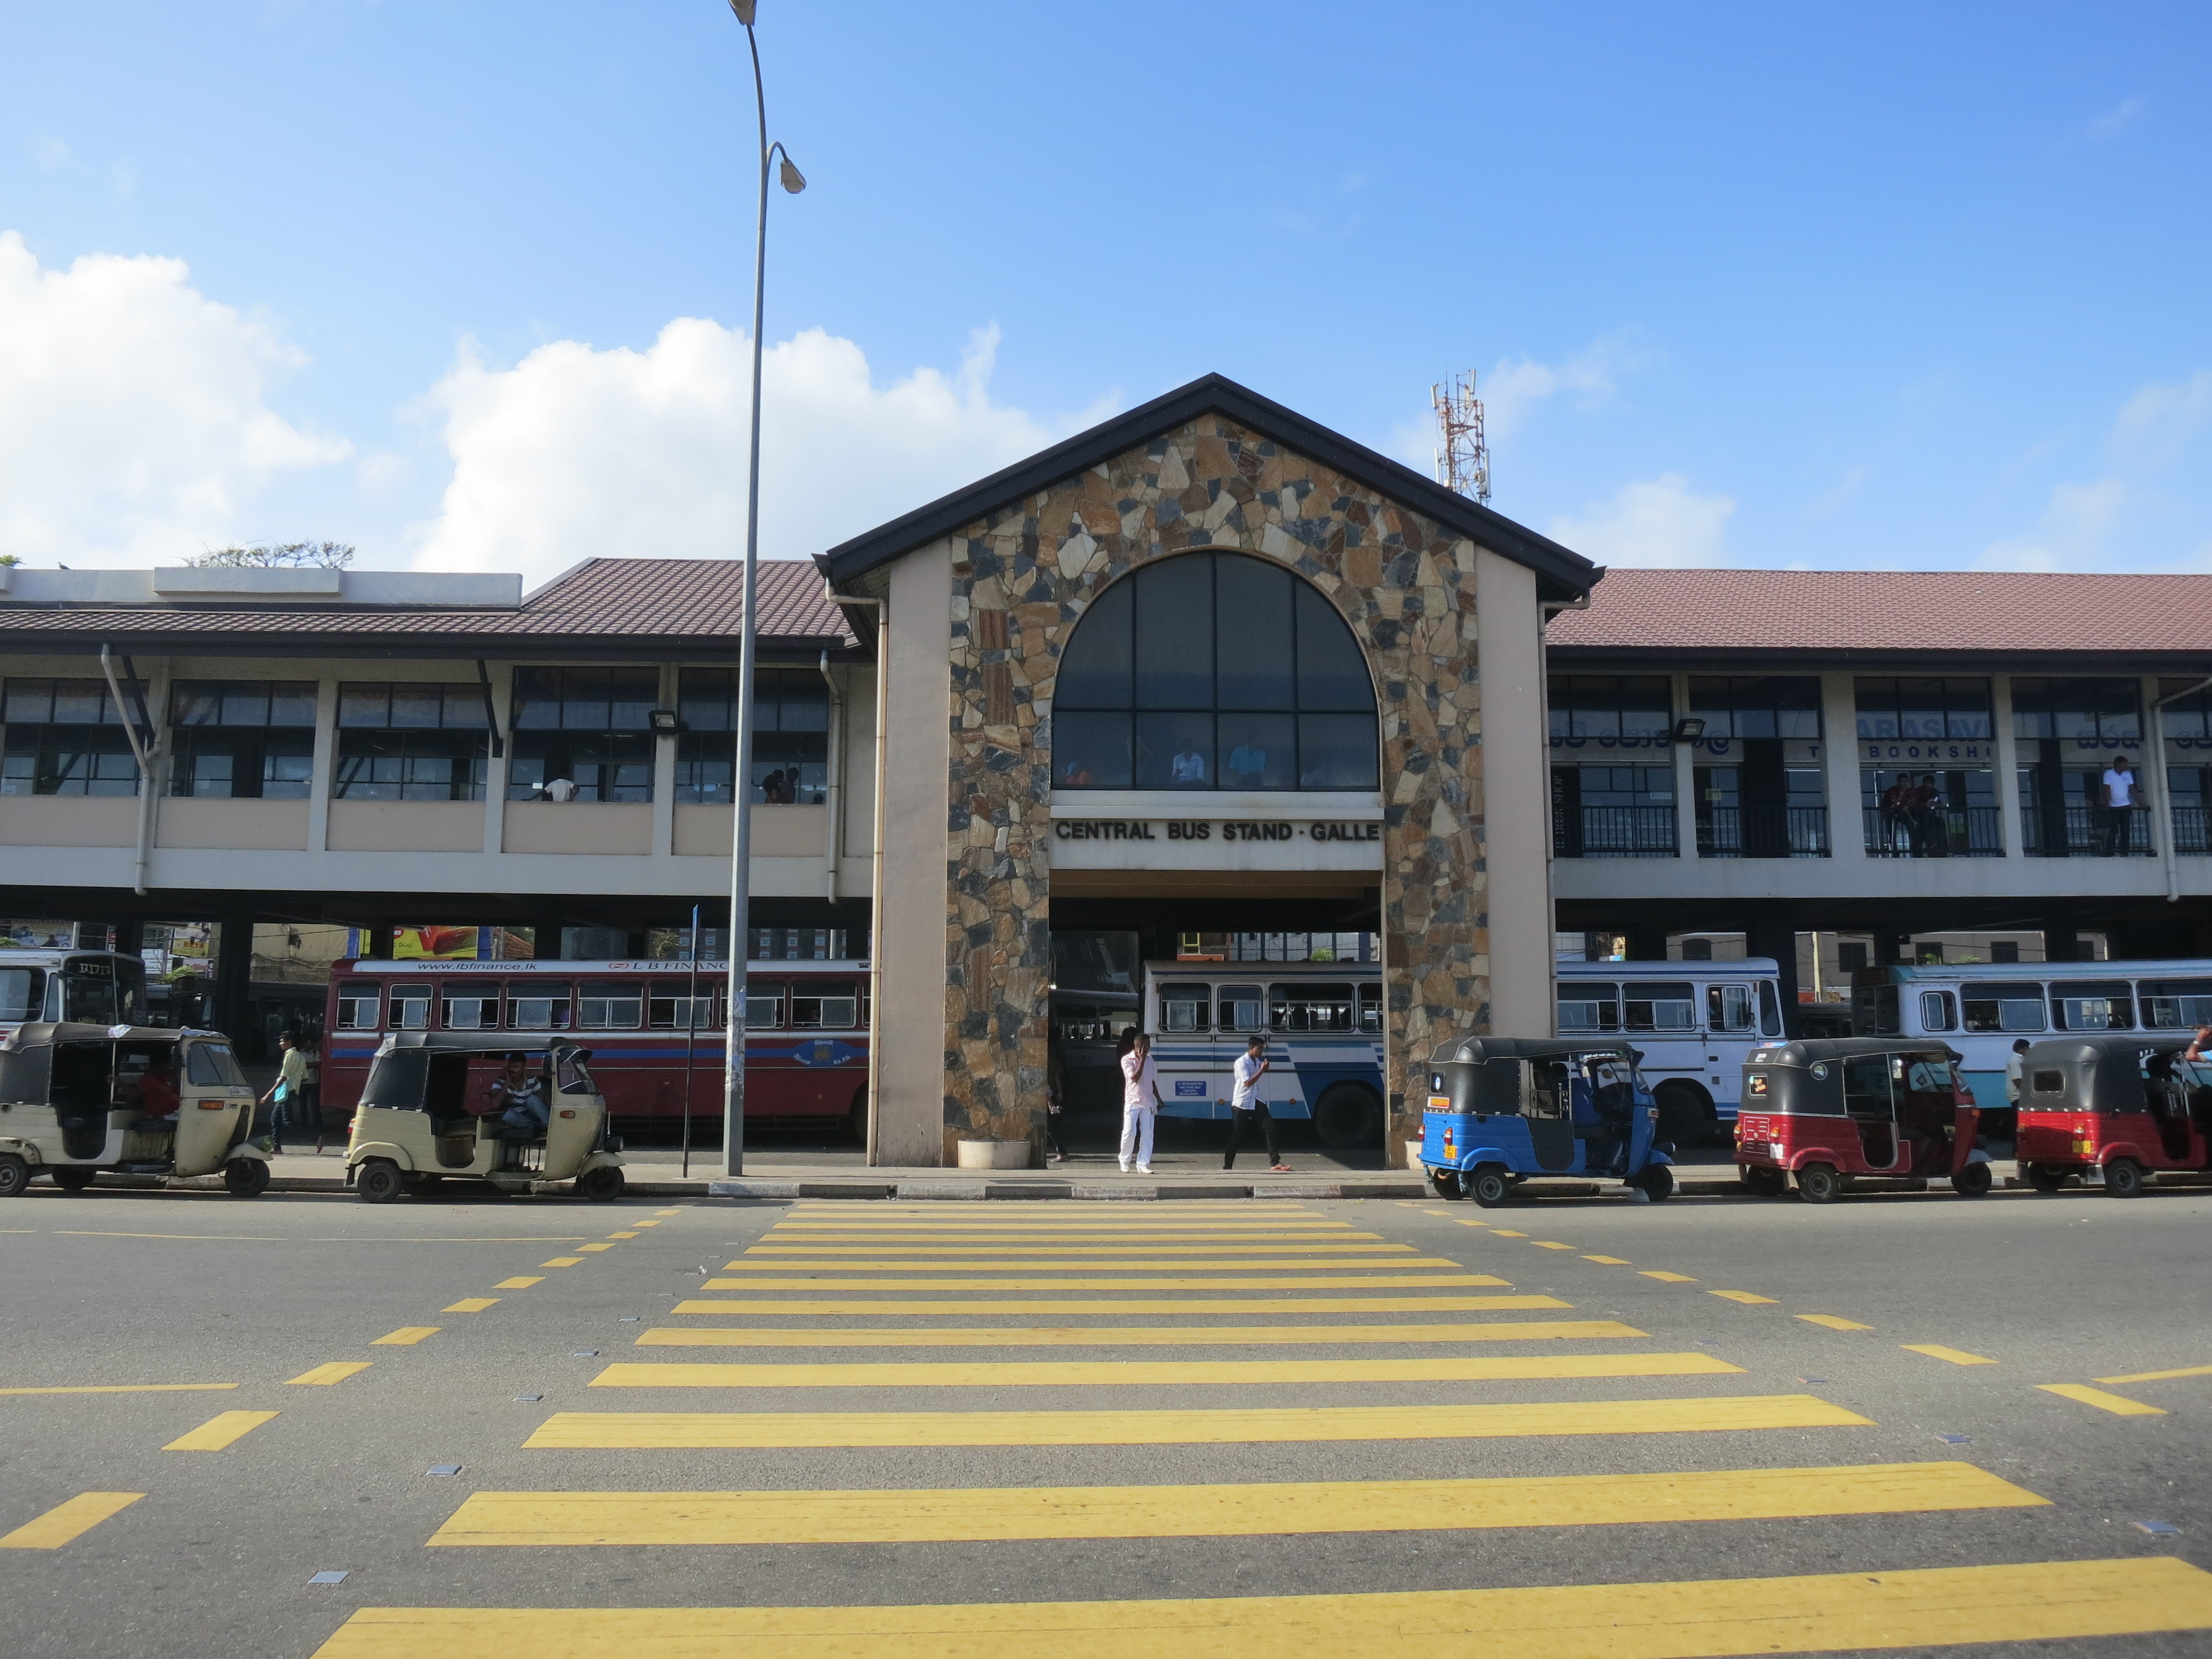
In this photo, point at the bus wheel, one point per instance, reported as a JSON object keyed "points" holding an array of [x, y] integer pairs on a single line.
{"points": [[1489, 1187], [1819, 1184], [72, 1178], [1447, 1183], [245, 1177], [2124, 1178], [1973, 1181], [2046, 1177], [856, 1120], [602, 1186], [379, 1181], [15, 1175], [1348, 1116], [1686, 1116]]}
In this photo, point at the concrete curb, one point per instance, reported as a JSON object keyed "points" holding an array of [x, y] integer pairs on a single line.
{"points": [[971, 1191], [337, 1184]]}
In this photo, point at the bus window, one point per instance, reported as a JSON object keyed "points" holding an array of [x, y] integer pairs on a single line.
{"points": [[609, 1005], [672, 1008], [1310, 1007], [1082, 1022], [1371, 1010], [469, 1006], [2003, 1005], [538, 1006], [1727, 1008], [2092, 1006], [1937, 1012], [2168, 1005], [22, 993], [211, 1063], [824, 1008], [360, 1002], [1770, 1010], [1660, 1005], [763, 1007], [1184, 1006], [1587, 1007], [1243, 1008], [410, 1008]]}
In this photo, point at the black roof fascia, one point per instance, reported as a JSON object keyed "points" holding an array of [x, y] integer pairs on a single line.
{"points": [[1568, 573]]}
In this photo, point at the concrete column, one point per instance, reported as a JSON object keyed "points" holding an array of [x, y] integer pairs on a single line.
{"points": [[1685, 805], [234, 977], [1516, 807], [1773, 933], [503, 682], [2007, 766], [1839, 757], [664, 773], [1647, 944], [324, 774], [2062, 938]]}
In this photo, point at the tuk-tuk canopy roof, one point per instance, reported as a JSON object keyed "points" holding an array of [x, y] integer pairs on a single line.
{"points": [[47, 1033], [1474, 1051], [1808, 1050], [2058, 1050]]}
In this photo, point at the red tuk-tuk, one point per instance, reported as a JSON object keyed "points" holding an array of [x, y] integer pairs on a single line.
{"points": [[2118, 1105], [1866, 1113]]}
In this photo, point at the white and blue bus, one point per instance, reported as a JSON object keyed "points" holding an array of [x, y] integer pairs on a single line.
{"points": [[96, 987], [1982, 1009], [1323, 1022], [1692, 1022]]}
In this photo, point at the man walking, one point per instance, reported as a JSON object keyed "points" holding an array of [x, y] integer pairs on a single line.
{"points": [[1140, 1103], [2116, 793], [1245, 1105], [282, 1099]]}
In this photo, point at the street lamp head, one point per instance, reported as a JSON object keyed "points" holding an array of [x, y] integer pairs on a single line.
{"points": [[745, 11], [793, 179]]}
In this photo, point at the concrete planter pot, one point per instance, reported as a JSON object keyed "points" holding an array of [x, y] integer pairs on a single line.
{"points": [[995, 1154]]}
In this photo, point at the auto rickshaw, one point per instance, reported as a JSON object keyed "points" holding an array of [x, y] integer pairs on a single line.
{"points": [[129, 1099], [428, 1112], [2115, 1105], [1504, 1110], [1870, 1113]]}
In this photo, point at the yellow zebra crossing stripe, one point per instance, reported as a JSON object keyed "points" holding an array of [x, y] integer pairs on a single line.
{"points": [[1212, 1282], [1143, 1247], [1171, 1260], [68, 1522], [736, 1431], [1928, 1607], [223, 1430], [1083, 1373], [1126, 1336], [1007, 1514], [1124, 1305], [2119, 1404]]}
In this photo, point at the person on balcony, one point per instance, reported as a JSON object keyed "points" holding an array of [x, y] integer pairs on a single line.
{"points": [[1931, 837], [1897, 815], [2117, 798]]}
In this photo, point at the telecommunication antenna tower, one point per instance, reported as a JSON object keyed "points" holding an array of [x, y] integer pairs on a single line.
{"points": [[1462, 454]]}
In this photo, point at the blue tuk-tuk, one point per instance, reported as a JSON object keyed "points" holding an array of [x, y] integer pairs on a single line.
{"points": [[1505, 1110]]}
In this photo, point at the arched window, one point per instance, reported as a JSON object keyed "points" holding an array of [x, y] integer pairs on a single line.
{"points": [[1212, 671]]}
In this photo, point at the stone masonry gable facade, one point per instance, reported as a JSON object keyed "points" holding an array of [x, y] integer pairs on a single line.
{"points": [[1022, 578]]}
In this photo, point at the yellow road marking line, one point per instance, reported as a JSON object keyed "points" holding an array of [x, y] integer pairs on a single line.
{"points": [[1745, 1296], [131, 1387], [337, 1371], [1956, 1356], [1275, 1509], [730, 1430], [2160, 1376], [1331, 1304], [1119, 1336], [1669, 1278], [517, 1284], [1398, 1281], [471, 1305], [68, 1521], [1128, 1247], [1170, 1263], [1507, 1232], [1833, 1323], [2118, 1405], [1927, 1606], [997, 1218], [220, 1430], [645, 1224], [668, 1213], [622, 1234], [405, 1337], [588, 1249], [1607, 1260], [562, 1261], [1465, 1221], [983, 1230], [213, 1238], [1157, 1373], [1545, 1244]]}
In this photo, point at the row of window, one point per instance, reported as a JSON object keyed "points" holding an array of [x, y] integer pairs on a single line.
{"points": [[1665, 1005], [593, 1005], [1190, 1008], [2005, 1007]]}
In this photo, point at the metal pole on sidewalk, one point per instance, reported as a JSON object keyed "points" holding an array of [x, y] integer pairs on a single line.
{"points": [[690, 1036]]}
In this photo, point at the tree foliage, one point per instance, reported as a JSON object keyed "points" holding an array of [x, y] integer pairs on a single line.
{"points": [[278, 556]]}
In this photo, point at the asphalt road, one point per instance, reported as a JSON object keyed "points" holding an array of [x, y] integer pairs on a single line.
{"points": [[1630, 1434]]}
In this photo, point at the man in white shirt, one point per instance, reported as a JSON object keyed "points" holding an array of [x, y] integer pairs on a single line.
{"points": [[1190, 765], [2118, 790], [561, 789], [1245, 1105], [1140, 1103]]}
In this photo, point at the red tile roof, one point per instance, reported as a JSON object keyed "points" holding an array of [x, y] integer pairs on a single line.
{"points": [[1856, 612]]}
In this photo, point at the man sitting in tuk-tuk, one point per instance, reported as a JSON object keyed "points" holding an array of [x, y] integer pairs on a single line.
{"points": [[520, 1098], [156, 1090]]}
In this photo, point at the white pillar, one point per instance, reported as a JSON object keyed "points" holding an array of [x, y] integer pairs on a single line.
{"points": [[2007, 766]]}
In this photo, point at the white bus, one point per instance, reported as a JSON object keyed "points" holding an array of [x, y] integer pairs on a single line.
{"points": [[1323, 1022], [1982, 1009], [1693, 1022], [99, 988]]}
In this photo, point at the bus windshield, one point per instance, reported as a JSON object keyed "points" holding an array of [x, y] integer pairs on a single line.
{"points": [[103, 991], [22, 993]]}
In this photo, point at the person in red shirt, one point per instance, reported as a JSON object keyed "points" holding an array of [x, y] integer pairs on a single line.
{"points": [[157, 1090]]}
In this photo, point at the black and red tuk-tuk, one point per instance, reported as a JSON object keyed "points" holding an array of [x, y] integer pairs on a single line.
{"points": [[1870, 1114], [2114, 1106]]}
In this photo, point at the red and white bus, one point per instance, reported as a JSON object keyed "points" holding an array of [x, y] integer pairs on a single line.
{"points": [[806, 1043]]}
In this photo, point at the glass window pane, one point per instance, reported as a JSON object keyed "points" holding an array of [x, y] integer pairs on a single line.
{"points": [[1935, 1012], [79, 702], [538, 1005], [1184, 1006], [536, 699], [1091, 751], [632, 695], [1336, 751], [763, 1007], [707, 700], [2093, 1006], [29, 703], [607, 1005], [410, 1008], [244, 702], [824, 1007], [1302, 1007], [359, 1002], [1663, 1005], [1243, 1008], [416, 706], [364, 705], [1175, 751], [1258, 751], [195, 703], [1332, 673], [1252, 635], [2177, 1004], [584, 694], [1174, 634], [802, 705], [469, 1008], [1588, 1007], [2003, 1005], [292, 702], [1095, 669]]}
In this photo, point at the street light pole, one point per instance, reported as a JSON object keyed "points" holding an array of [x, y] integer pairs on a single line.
{"points": [[741, 788]]}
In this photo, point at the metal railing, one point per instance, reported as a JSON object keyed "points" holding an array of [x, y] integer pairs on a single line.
{"points": [[1762, 832], [2190, 834], [1970, 832], [2091, 832], [1614, 832]]}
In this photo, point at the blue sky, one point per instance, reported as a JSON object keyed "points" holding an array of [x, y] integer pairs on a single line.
{"points": [[1864, 286]]}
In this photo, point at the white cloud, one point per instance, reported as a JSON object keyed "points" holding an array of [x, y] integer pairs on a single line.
{"points": [[1653, 521], [2121, 115], [53, 152], [576, 452], [134, 419], [1513, 389]]}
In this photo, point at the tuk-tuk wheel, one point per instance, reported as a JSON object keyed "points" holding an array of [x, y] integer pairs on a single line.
{"points": [[602, 1185], [15, 1175], [245, 1177], [379, 1181], [2124, 1178], [1766, 1182], [1447, 1183], [2045, 1179], [1489, 1187], [1819, 1184], [1656, 1182], [72, 1177], [1973, 1181]]}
